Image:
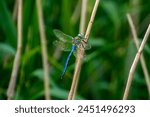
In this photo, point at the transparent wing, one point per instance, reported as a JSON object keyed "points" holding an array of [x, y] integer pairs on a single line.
{"points": [[75, 53], [61, 36], [84, 45], [87, 46], [65, 46]]}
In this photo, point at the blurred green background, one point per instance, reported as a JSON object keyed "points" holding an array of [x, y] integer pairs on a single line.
{"points": [[105, 70]]}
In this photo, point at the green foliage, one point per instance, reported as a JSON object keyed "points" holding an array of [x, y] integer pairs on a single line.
{"points": [[7, 25], [105, 70], [6, 50]]}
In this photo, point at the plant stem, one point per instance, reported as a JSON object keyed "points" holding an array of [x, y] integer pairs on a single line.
{"points": [[142, 60], [12, 83], [75, 16], [135, 12], [44, 49], [134, 64], [81, 30], [14, 16], [80, 55], [83, 16]]}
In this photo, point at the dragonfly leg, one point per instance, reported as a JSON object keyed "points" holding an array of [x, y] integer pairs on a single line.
{"points": [[83, 44]]}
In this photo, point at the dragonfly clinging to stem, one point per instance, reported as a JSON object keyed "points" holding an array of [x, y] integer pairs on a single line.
{"points": [[68, 43]]}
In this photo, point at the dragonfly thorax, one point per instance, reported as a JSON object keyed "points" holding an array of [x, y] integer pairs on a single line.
{"points": [[77, 39]]}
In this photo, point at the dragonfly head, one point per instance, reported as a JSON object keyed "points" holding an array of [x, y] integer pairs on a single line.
{"points": [[80, 36]]}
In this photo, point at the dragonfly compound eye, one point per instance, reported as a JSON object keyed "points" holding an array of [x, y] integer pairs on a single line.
{"points": [[80, 36]]}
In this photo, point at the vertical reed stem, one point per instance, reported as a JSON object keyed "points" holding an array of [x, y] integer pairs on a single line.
{"points": [[81, 30], [80, 55], [142, 60], [83, 16], [12, 83], [134, 64], [14, 16], [44, 49]]}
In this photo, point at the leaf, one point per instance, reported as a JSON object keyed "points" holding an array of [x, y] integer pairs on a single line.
{"points": [[28, 55], [57, 93], [7, 24], [28, 14], [97, 42], [112, 10], [147, 49], [6, 50], [40, 75], [91, 56]]}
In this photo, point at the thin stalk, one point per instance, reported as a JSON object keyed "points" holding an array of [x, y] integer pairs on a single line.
{"points": [[134, 64], [83, 16], [15, 10], [44, 49], [16, 64], [75, 16], [142, 60], [80, 54], [81, 30], [135, 11]]}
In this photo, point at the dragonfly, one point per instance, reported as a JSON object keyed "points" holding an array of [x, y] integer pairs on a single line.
{"points": [[68, 43]]}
